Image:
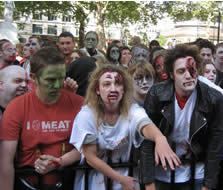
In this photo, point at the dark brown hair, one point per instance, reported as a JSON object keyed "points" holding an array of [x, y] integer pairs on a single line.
{"points": [[44, 57], [181, 51]]}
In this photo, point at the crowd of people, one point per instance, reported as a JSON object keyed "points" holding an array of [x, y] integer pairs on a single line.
{"points": [[62, 107]]}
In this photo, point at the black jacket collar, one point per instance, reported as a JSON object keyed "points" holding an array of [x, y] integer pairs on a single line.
{"points": [[166, 92]]}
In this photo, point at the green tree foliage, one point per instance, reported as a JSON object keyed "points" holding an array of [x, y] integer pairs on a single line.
{"points": [[1, 9], [186, 10], [113, 12], [162, 40]]}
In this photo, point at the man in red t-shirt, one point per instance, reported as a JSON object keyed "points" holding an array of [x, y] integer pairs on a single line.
{"points": [[42, 125]]}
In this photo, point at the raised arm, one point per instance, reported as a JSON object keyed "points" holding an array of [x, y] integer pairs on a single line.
{"points": [[7, 152]]}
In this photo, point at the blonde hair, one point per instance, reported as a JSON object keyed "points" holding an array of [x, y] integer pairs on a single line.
{"points": [[94, 100], [142, 68]]}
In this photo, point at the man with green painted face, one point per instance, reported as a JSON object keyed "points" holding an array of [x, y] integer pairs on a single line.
{"points": [[90, 43], [42, 126]]}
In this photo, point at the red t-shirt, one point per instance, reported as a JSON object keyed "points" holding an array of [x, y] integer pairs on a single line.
{"points": [[39, 126]]}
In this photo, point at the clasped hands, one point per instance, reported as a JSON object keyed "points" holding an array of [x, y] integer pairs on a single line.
{"points": [[47, 163]]}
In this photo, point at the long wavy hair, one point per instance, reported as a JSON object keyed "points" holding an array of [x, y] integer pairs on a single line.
{"points": [[95, 102]]}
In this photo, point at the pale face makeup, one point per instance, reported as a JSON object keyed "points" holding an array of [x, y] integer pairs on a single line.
{"points": [[66, 45], [90, 41], [185, 76], [210, 72], [110, 88], [114, 53], [125, 56], [34, 45], [142, 83], [8, 52], [140, 54], [206, 54], [219, 55]]}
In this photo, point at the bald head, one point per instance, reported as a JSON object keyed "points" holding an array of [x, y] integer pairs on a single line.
{"points": [[13, 82]]}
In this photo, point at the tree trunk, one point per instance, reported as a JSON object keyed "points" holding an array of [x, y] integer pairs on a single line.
{"points": [[100, 26], [81, 34]]}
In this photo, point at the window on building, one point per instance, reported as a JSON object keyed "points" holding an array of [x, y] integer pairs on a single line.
{"points": [[52, 30], [37, 29], [67, 18], [65, 29], [52, 17], [37, 16]]}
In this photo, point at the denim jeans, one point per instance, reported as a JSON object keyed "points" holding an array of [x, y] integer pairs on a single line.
{"points": [[178, 186]]}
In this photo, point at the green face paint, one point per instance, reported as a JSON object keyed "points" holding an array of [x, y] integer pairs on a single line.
{"points": [[50, 82], [90, 41]]}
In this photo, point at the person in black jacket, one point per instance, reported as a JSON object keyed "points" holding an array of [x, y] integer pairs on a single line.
{"points": [[189, 113]]}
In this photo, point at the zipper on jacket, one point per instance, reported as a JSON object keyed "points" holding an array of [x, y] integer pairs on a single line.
{"points": [[197, 132]]}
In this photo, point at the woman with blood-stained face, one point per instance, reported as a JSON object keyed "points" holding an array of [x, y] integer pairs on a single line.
{"points": [[143, 75], [106, 128], [158, 63], [34, 44]]}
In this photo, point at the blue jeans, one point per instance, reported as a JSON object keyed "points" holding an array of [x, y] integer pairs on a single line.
{"points": [[179, 186]]}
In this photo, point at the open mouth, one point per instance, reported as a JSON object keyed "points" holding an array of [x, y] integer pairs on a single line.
{"points": [[164, 76], [211, 79], [145, 88], [113, 96]]}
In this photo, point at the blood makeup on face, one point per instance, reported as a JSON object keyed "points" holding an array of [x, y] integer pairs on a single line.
{"points": [[160, 68], [34, 45], [110, 86], [5, 47], [10, 52], [191, 67], [119, 81]]}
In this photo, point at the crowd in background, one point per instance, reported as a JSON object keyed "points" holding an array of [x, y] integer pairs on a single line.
{"points": [[60, 105]]}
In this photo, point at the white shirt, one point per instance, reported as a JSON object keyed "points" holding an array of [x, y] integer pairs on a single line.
{"points": [[118, 138], [180, 136]]}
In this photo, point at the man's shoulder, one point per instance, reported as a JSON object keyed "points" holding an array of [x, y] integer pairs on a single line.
{"points": [[163, 89], [71, 95], [209, 92]]}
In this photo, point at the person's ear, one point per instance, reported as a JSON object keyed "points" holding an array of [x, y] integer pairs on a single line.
{"points": [[97, 91], [57, 43], [171, 75], [32, 76]]}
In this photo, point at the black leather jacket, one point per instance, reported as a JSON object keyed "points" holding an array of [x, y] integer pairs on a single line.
{"points": [[206, 128]]}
